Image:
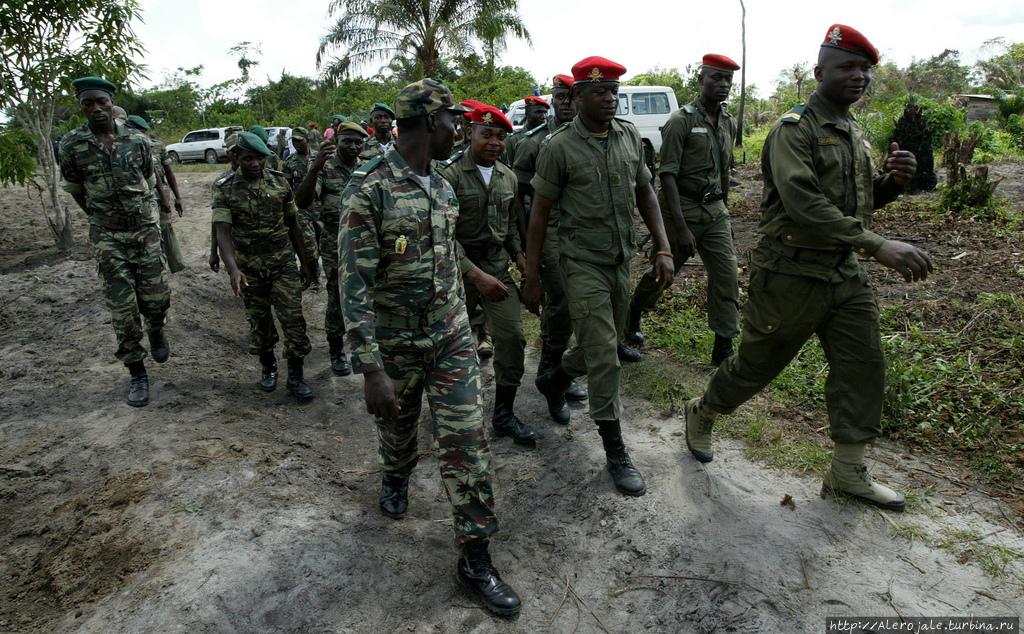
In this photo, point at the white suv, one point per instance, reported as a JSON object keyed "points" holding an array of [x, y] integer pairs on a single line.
{"points": [[202, 145]]}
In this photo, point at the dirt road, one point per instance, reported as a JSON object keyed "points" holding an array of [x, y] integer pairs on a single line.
{"points": [[219, 508]]}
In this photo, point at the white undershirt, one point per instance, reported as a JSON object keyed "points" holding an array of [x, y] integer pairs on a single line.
{"points": [[425, 181], [486, 172], [384, 146]]}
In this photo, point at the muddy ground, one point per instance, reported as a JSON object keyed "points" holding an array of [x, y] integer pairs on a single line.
{"points": [[219, 508]]}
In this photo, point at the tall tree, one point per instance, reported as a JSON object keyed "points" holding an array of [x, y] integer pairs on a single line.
{"points": [[46, 44], [743, 75], [427, 31], [1004, 70]]}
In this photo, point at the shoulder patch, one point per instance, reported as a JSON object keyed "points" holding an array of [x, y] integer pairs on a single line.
{"points": [[689, 109], [367, 167], [795, 114], [537, 129], [224, 179], [451, 159]]}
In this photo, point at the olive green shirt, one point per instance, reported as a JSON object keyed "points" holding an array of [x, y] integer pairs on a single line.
{"points": [[595, 189], [526, 161], [257, 214], [487, 216], [697, 150], [820, 189]]}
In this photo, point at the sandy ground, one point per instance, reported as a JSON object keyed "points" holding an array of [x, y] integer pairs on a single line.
{"points": [[219, 508]]}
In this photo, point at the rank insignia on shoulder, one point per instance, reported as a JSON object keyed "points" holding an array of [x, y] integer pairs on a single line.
{"points": [[689, 109], [400, 244], [828, 140], [795, 114], [453, 201], [221, 181]]}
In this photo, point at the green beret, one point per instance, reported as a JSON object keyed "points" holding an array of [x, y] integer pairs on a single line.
{"points": [[299, 132], [339, 117], [93, 83], [260, 132], [386, 108], [348, 126], [138, 122], [253, 143]]}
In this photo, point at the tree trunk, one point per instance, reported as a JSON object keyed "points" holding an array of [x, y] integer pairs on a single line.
{"points": [[58, 217], [743, 75]]}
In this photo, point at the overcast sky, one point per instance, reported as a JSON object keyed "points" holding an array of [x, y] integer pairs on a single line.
{"points": [[187, 33]]}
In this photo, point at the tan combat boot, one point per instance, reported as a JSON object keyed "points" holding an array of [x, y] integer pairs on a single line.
{"points": [[849, 476], [699, 420]]}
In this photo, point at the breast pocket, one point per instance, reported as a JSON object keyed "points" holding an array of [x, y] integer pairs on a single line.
{"points": [[399, 236], [589, 185]]}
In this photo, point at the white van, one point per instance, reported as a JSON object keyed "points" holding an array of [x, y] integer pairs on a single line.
{"points": [[646, 107]]}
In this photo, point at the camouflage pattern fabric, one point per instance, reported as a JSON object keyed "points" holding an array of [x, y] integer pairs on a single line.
{"points": [[372, 148], [331, 183], [405, 315], [315, 139], [264, 254], [423, 97], [295, 169], [274, 162]]}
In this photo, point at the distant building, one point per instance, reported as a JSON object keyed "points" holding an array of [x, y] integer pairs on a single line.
{"points": [[979, 107]]}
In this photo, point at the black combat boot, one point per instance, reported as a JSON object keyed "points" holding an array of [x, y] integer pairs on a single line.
{"points": [[394, 496], [573, 392], [476, 572], [315, 285], [138, 390], [546, 355], [158, 348], [722, 350], [633, 334], [552, 385], [268, 380], [628, 355], [626, 477], [505, 422], [339, 360], [296, 386]]}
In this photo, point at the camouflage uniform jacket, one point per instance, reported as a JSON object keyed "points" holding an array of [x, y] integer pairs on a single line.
{"points": [[820, 190], [120, 185], [697, 150], [295, 170], [160, 157], [595, 189], [487, 217], [372, 148], [257, 216], [330, 185], [398, 252]]}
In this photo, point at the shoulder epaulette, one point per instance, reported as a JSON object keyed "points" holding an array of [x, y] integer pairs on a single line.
{"points": [[795, 114], [452, 158], [275, 172], [689, 109], [621, 120], [537, 129], [367, 167], [224, 179]]}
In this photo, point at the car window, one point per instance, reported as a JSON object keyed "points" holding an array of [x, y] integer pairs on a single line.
{"points": [[518, 117], [191, 137], [650, 103], [623, 105]]}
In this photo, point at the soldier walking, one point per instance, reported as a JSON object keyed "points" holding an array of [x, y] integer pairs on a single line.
{"points": [[486, 231], [594, 169], [258, 233], [696, 153], [409, 331], [296, 166], [820, 189]]}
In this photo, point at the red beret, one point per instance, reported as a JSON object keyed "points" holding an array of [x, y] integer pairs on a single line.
{"points": [[850, 39], [562, 81], [491, 116], [720, 62], [472, 104], [597, 69], [537, 101]]}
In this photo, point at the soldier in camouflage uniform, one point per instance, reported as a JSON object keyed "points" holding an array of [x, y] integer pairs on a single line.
{"points": [[382, 117], [409, 332], [231, 141], [108, 170], [259, 236], [555, 325], [820, 189], [296, 166], [165, 180], [329, 173], [273, 161], [486, 232], [594, 168], [696, 153]]}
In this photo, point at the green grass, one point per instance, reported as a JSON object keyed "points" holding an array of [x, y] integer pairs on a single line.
{"points": [[967, 546], [201, 167]]}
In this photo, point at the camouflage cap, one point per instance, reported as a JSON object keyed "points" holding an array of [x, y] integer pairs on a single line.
{"points": [[251, 142], [300, 133], [138, 122], [120, 114], [423, 97]]}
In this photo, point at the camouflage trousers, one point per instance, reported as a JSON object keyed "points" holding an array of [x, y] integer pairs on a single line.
{"points": [[134, 276], [714, 244], [169, 244], [334, 322], [309, 221], [276, 288], [555, 323], [441, 361], [598, 298], [504, 323], [782, 312]]}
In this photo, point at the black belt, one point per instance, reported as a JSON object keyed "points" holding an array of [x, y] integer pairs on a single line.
{"points": [[264, 247], [814, 256], [698, 197], [123, 223], [410, 321]]}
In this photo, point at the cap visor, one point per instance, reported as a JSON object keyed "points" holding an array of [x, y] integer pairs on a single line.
{"points": [[459, 108]]}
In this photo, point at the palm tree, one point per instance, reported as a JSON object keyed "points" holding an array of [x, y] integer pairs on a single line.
{"points": [[424, 31]]}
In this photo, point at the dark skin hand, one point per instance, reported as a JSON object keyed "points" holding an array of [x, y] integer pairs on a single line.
{"points": [[214, 253], [906, 259], [307, 188], [379, 393], [684, 237]]}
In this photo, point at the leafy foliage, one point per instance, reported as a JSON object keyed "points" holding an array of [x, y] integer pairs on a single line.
{"points": [[685, 84], [16, 164]]}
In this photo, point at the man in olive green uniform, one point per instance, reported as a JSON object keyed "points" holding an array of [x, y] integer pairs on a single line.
{"points": [[594, 169], [820, 188], [382, 117], [409, 332], [273, 161], [696, 153], [108, 169], [259, 236], [296, 166], [536, 116], [329, 173], [315, 138], [486, 231], [555, 325]]}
